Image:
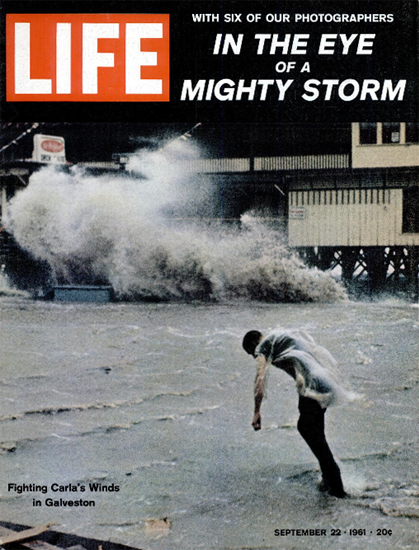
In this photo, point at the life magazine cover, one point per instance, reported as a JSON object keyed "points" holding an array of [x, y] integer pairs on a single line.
{"points": [[209, 251]]}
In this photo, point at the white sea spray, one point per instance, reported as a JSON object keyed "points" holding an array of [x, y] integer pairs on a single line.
{"points": [[150, 233]]}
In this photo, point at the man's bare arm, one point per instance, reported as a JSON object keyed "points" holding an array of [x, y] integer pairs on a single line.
{"points": [[259, 390]]}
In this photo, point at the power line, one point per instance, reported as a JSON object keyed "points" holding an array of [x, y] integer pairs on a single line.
{"points": [[23, 134]]}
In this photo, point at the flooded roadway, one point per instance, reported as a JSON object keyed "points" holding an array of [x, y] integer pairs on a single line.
{"points": [[156, 399]]}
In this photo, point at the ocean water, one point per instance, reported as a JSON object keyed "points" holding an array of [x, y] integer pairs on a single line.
{"points": [[157, 400]]}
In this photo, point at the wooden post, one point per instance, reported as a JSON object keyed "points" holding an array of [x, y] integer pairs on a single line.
{"points": [[3, 204]]}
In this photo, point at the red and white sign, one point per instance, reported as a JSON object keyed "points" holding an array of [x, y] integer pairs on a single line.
{"points": [[48, 149], [87, 57], [52, 146]]}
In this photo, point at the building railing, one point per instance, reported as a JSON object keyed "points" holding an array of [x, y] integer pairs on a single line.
{"points": [[260, 164], [303, 162], [209, 166], [100, 165]]}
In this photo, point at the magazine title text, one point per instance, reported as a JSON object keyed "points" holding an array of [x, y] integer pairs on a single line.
{"points": [[294, 55]]}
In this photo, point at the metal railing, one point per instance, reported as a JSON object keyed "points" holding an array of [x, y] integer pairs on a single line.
{"points": [[302, 162], [261, 164]]}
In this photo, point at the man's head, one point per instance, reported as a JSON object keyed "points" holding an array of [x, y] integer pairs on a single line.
{"points": [[251, 340]]}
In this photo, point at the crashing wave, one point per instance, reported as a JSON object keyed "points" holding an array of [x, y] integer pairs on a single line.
{"points": [[146, 234]]}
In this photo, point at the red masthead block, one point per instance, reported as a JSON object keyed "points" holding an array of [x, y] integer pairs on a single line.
{"points": [[87, 57]]}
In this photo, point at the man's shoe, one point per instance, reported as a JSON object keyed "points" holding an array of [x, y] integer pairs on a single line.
{"points": [[338, 493]]}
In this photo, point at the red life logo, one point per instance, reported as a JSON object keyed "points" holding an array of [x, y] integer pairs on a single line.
{"points": [[87, 57]]}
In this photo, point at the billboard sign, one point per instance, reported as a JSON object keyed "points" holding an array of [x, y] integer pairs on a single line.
{"points": [[48, 149]]}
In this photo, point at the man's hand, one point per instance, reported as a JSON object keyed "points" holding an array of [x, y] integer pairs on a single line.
{"points": [[257, 422]]}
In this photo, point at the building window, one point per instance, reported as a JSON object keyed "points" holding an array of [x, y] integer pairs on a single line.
{"points": [[411, 210], [368, 133], [412, 132], [391, 132]]}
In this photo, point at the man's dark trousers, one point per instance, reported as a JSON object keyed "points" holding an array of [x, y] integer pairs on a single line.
{"points": [[311, 427]]}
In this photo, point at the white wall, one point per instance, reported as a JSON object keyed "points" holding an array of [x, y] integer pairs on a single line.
{"points": [[349, 217]]}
